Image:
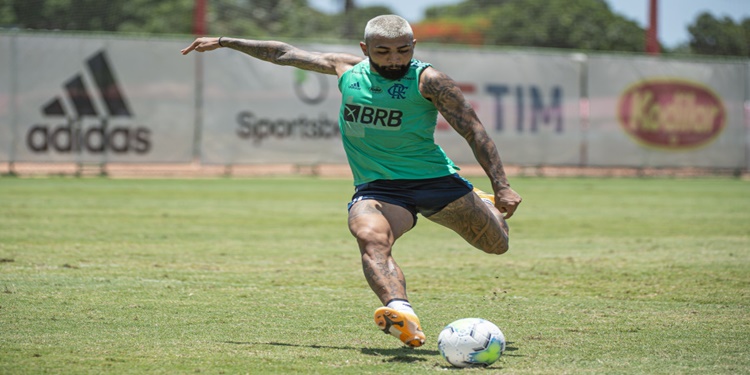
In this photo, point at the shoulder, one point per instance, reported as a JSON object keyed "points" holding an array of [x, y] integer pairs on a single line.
{"points": [[419, 65], [433, 81], [344, 62]]}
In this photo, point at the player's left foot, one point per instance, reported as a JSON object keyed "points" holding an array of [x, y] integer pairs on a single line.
{"points": [[405, 326], [486, 197], [490, 200]]}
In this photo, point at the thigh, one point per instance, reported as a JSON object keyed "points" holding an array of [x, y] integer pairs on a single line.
{"points": [[375, 221], [435, 194], [483, 227]]}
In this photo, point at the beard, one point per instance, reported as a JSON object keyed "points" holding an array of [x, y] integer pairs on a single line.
{"points": [[391, 72]]}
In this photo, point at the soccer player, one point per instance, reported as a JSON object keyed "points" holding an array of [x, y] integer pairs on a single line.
{"points": [[390, 102]]}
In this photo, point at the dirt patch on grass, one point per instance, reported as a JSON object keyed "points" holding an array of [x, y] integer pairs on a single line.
{"points": [[198, 170]]}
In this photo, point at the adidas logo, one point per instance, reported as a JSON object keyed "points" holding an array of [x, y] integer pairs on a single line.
{"points": [[354, 86], [87, 125]]}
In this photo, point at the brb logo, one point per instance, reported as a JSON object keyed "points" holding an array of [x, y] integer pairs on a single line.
{"points": [[373, 117], [89, 129]]}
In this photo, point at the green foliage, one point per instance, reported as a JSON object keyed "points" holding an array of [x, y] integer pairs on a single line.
{"points": [[259, 18], [353, 23], [464, 8], [265, 19], [155, 16], [64, 14], [144, 16], [604, 276], [712, 36], [566, 24], [579, 24]]}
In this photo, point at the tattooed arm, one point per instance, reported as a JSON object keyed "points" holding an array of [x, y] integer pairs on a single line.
{"points": [[450, 102], [279, 53]]}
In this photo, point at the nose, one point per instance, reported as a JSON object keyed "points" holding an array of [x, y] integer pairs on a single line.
{"points": [[394, 59]]}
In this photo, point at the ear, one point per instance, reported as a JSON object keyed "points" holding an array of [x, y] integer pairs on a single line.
{"points": [[363, 46]]}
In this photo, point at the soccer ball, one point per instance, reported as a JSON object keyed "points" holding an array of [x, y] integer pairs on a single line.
{"points": [[471, 342]]}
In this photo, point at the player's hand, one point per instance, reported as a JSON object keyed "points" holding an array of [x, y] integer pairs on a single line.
{"points": [[507, 200], [202, 45]]}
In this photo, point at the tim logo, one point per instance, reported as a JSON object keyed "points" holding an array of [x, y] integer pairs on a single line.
{"points": [[373, 117], [84, 126], [398, 91]]}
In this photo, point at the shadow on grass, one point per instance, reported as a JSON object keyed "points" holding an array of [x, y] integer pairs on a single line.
{"points": [[402, 354]]}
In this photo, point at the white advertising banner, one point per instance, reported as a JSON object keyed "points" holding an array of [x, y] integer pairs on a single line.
{"points": [[100, 100], [103, 99], [6, 100], [257, 112], [747, 115], [651, 112], [528, 102]]}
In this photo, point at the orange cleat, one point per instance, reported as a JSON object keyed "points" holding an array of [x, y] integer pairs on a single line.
{"points": [[405, 326]]}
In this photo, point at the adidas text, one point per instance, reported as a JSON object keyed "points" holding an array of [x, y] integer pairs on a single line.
{"points": [[97, 139], [87, 127]]}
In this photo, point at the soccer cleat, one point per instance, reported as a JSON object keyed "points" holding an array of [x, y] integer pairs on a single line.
{"points": [[490, 199], [486, 197], [403, 325]]}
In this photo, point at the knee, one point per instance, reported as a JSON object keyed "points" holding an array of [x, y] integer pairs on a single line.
{"points": [[371, 241], [368, 234]]}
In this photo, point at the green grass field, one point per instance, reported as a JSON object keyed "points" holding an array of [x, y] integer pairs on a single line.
{"points": [[232, 276]]}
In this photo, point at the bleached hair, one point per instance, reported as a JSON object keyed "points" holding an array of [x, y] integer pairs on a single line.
{"points": [[387, 26]]}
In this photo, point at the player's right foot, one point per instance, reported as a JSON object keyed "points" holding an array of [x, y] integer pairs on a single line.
{"points": [[405, 326]]}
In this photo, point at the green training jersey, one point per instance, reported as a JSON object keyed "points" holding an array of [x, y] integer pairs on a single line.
{"points": [[387, 127]]}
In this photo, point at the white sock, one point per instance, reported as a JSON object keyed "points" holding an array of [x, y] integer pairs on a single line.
{"points": [[401, 305]]}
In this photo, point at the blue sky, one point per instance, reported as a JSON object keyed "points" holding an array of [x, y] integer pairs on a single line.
{"points": [[674, 15]]}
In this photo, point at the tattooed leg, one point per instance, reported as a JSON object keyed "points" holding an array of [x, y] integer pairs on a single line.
{"points": [[479, 224], [376, 226]]}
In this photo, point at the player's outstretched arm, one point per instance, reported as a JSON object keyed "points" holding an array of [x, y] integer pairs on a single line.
{"points": [[204, 44], [279, 53], [450, 101]]}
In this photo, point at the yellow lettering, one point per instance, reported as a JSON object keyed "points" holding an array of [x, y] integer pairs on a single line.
{"points": [[685, 115], [681, 113], [643, 114]]}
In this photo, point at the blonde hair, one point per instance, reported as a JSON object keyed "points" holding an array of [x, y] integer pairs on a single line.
{"points": [[388, 26]]}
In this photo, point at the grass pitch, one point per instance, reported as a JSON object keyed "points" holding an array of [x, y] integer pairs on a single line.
{"points": [[228, 276]]}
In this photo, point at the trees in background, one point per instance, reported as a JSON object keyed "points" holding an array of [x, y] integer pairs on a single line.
{"points": [[577, 24], [148, 16], [251, 18], [719, 36], [569, 24]]}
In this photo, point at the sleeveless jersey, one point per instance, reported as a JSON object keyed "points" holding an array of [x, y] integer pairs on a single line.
{"points": [[387, 127]]}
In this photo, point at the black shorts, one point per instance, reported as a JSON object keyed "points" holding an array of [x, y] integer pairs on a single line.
{"points": [[426, 196]]}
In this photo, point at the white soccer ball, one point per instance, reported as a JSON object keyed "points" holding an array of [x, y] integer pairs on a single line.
{"points": [[471, 342]]}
